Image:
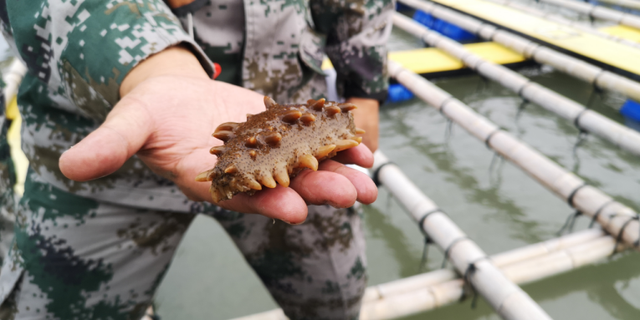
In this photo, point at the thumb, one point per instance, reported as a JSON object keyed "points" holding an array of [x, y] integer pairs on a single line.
{"points": [[105, 150]]}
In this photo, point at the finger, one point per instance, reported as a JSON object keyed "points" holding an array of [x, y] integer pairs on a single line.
{"points": [[360, 155], [366, 189], [322, 187], [278, 203], [105, 150]]}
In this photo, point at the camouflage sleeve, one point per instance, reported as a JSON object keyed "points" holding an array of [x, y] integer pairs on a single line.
{"points": [[357, 32], [85, 48]]}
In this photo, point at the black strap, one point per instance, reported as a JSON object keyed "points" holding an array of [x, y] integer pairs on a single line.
{"points": [[376, 173], [621, 233], [521, 107], [590, 13], [444, 104], [576, 120], [573, 194], [596, 90], [486, 140], [427, 240], [597, 214], [448, 250], [568, 225], [468, 273], [425, 253], [526, 84], [595, 79], [425, 216]]}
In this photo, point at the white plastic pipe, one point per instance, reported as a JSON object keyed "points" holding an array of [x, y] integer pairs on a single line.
{"points": [[441, 287], [614, 217], [559, 19], [430, 297], [598, 12], [506, 298], [588, 120], [577, 68], [632, 4]]}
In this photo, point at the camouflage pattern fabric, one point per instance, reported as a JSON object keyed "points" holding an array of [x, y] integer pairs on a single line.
{"points": [[315, 270], [277, 47], [7, 181], [78, 53], [76, 258], [97, 250]]}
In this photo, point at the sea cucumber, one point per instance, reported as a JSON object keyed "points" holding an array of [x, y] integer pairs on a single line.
{"points": [[275, 145]]}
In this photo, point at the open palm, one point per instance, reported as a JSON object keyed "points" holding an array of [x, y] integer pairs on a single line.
{"points": [[168, 120]]}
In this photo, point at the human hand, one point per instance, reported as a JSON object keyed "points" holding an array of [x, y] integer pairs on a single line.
{"points": [[367, 118], [167, 116]]}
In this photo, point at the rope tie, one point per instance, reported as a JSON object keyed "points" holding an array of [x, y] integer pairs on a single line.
{"points": [[486, 140], [573, 194], [448, 250], [571, 220], [521, 107], [597, 214], [525, 85], [484, 82], [621, 233], [595, 79], [583, 133], [595, 89], [471, 270], [425, 253], [496, 157], [427, 240], [576, 120], [448, 130], [425, 216], [590, 13], [568, 225], [376, 174], [444, 104]]}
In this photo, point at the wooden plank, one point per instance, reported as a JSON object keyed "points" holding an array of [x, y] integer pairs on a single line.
{"points": [[631, 34], [426, 61]]}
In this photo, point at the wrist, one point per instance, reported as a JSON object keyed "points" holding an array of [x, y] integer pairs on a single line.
{"points": [[176, 60]]}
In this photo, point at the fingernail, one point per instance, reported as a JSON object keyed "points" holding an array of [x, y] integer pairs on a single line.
{"points": [[293, 224]]}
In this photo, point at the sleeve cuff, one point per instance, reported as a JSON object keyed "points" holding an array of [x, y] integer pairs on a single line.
{"points": [[357, 92]]}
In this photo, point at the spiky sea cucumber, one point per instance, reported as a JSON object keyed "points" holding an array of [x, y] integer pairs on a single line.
{"points": [[275, 145]]}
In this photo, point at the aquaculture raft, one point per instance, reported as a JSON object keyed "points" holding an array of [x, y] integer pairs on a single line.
{"points": [[597, 49], [434, 62], [599, 77], [440, 287]]}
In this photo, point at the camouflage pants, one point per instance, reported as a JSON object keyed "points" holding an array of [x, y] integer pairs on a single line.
{"points": [[75, 258]]}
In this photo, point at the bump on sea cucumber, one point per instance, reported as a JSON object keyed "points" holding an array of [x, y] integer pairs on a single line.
{"points": [[275, 145]]}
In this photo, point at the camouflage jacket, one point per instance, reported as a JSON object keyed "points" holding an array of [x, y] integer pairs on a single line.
{"points": [[78, 53]]}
